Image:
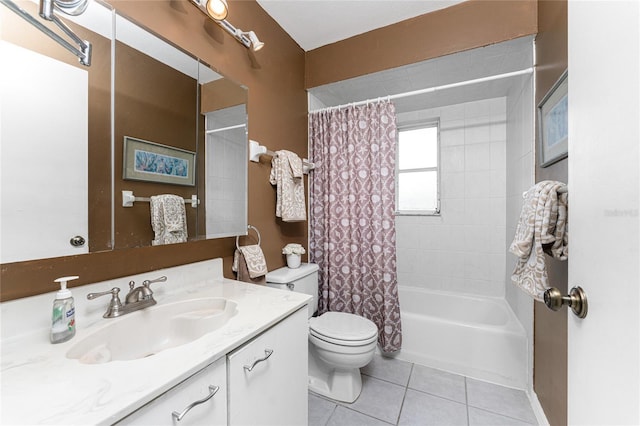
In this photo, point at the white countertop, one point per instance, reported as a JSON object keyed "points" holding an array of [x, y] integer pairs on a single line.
{"points": [[39, 385]]}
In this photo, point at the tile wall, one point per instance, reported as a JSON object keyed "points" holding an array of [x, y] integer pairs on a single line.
{"points": [[520, 177], [463, 249]]}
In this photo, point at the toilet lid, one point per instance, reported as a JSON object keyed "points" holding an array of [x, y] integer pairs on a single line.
{"points": [[341, 326]]}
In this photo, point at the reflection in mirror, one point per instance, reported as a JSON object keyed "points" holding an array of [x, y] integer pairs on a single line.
{"points": [[156, 100], [166, 96], [223, 105], [55, 116]]}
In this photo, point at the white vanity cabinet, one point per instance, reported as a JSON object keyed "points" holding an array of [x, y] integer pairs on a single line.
{"points": [[208, 386], [267, 376], [262, 382]]}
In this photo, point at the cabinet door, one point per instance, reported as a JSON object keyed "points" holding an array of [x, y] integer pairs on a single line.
{"points": [[196, 388], [268, 376]]}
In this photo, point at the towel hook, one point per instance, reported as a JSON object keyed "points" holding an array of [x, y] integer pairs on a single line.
{"points": [[249, 227]]}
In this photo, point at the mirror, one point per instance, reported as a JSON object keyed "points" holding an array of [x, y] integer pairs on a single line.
{"points": [[161, 95], [166, 97], [56, 138]]}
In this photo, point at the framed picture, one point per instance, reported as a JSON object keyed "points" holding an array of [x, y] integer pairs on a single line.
{"points": [[553, 122], [153, 162]]}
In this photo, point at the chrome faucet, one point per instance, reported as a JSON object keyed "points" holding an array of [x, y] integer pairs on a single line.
{"points": [[138, 298]]}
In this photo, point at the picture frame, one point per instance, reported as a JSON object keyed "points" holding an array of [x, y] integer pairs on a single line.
{"points": [[553, 123], [154, 162]]}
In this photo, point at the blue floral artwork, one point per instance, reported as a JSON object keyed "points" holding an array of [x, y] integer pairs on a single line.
{"points": [[164, 165]]}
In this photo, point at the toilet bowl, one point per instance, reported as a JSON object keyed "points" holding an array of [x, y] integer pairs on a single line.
{"points": [[339, 343]]}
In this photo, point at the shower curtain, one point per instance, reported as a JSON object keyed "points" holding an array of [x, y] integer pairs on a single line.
{"points": [[352, 214]]}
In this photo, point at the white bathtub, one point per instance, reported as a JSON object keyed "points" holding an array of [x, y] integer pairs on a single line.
{"points": [[476, 336]]}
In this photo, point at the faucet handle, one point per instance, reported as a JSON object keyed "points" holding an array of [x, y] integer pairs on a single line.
{"points": [[115, 306], [147, 283], [114, 292], [145, 291]]}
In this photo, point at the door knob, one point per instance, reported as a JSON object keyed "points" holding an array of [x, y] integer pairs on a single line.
{"points": [[77, 241], [576, 300]]}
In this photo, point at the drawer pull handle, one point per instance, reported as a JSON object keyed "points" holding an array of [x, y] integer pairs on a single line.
{"points": [[212, 391], [267, 354]]}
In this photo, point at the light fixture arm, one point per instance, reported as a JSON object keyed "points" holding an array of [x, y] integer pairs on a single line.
{"points": [[82, 51], [235, 32], [84, 47], [247, 39]]}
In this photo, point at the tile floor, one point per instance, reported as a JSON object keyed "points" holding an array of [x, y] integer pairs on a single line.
{"points": [[400, 393]]}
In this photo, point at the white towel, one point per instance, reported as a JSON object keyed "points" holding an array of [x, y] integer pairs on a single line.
{"points": [[168, 219], [287, 175], [542, 228]]}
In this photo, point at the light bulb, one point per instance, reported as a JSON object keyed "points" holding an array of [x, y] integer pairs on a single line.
{"points": [[217, 9]]}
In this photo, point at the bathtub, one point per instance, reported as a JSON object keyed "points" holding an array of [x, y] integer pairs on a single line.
{"points": [[479, 337]]}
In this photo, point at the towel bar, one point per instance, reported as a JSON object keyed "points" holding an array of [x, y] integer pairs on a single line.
{"points": [[128, 199], [256, 150]]}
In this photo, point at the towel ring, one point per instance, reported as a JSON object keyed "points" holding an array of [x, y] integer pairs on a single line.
{"points": [[248, 228]]}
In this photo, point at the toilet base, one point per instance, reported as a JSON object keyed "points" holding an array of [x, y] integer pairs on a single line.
{"points": [[339, 385]]}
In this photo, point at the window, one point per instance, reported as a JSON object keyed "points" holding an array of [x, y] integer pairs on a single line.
{"points": [[417, 170]]}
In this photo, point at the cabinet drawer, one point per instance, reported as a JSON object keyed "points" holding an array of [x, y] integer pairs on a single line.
{"points": [[196, 388]]}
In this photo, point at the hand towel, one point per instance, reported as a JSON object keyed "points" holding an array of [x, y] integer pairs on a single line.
{"points": [[287, 175], [250, 264], [168, 219], [542, 228]]}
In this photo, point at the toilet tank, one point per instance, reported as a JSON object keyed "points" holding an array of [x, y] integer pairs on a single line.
{"points": [[303, 279]]}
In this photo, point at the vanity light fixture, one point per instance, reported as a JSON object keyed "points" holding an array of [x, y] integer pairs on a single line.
{"points": [[256, 44], [218, 11], [215, 9]]}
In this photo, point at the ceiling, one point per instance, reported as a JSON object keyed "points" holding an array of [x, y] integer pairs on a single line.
{"points": [[315, 23]]}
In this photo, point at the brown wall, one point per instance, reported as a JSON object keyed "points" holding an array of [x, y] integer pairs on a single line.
{"points": [[464, 26], [277, 118], [550, 328]]}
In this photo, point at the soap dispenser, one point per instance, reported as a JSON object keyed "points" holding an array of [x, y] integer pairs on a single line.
{"points": [[63, 319]]}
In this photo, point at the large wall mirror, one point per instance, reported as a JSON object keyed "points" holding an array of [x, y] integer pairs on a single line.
{"points": [[63, 132]]}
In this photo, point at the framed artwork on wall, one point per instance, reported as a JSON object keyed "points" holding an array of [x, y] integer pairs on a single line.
{"points": [[153, 162], [553, 123]]}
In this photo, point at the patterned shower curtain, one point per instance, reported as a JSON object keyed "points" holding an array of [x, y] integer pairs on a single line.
{"points": [[352, 214]]}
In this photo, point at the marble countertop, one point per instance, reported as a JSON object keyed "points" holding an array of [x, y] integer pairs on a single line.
{"points": [[40, 385]]}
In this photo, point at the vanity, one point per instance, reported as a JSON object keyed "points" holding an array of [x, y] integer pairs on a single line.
{"points": [[236, 353]]}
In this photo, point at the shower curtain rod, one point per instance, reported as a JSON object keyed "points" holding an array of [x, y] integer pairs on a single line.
{"points": [[434, 89]]}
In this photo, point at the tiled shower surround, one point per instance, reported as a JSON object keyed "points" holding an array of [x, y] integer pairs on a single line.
{"points": [[462, 249]]}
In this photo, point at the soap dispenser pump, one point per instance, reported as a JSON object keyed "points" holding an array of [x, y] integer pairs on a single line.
{"points": [[63, 321]]}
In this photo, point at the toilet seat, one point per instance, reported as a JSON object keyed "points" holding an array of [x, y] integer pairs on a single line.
{"points": [[343, 329]]}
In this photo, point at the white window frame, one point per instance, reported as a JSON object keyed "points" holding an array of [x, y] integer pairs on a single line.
{"points": [[413, 126]]}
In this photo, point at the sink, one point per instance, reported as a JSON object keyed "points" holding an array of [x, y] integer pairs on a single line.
{"points": [[146, 332]]}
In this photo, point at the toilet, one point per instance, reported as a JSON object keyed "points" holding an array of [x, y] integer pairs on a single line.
{"points": [[339, 343]]}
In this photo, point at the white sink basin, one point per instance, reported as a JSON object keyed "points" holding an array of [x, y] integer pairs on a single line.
{"points": [[146, 332]]}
